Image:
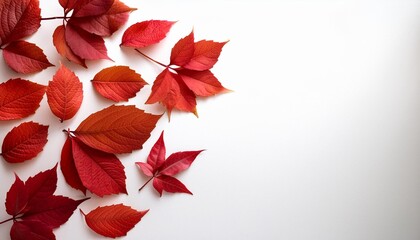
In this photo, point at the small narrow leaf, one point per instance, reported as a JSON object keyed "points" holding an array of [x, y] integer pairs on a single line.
{"points": [[68, 167], [169, 184], [146, 33], [178, 162], [158, 154]]}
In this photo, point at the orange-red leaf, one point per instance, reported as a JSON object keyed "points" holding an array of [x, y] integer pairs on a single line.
{"points": [[68, 167], [113, 221], [206, 54], [117, 129], [85, 8], [25, 57], [202, 83], [19, 98], [59, 40], [183, 50], [24, 142], [146, 33], [118, 83], [64, 93]]}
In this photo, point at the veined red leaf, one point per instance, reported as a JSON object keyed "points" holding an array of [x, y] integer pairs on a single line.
{"points": [[68, 167], [158, 153], [31, 230], [113, 221], [19, 19], [65, 94], [68, 4], [85, 8], [183, 50], [178, 162], [101, 173], [84, 44], [202, 83], [42, 185], [118, 83], [19, 98], [169, 184], [24, 142], [206, 54], [59, 40], [146, 33], [117, 129], [145, 168], [16, 198], [25, 57]]}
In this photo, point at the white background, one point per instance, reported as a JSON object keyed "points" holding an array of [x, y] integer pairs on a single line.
{"points": [[320, 139]]}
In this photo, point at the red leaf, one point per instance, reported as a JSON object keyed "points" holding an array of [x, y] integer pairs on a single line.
{"points": [[169, 184], [117, 129], [16, 198], [31, 230], [59, 40], [202, 83], [183, 50], [24, 142], [178, 162], [157, 155], [101, 173], [145, 168], [169, 89], [25, 57], [84, 44], [113, 221], [19, 98], [107, 23], [68, 4], [118, 83], [42, 185], [65, 94], [85, 8], [19, 19], [146, 33], [68, 167], [205, 55]]}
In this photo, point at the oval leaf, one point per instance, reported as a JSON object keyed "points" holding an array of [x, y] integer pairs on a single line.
{"points": [[118, 83], [146, 33], [117, 129], [19, 98], [68, 167], [65, 94], [24, 142], [202, 83], [113, 221], [85, 8], [59, 40]]}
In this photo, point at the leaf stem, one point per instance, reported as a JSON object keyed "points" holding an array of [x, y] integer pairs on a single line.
{"points": [[144, 185], [5, 221], [151, 59], [52, 18]]}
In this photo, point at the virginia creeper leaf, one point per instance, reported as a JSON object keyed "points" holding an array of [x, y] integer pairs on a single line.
{"points": [[24, 142], [59, 40], [143, 34], [206, 54], [68, 167], [19, 98], [85, 8], [68, 4], [31, 230], [178, 162], [113, 221], [42, 185], [118, 83], [202, 83], [183, 50], [169, 184], [16, 198]]}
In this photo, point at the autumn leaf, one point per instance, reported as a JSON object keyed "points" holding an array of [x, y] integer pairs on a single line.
{"points": [[34, 230], [24, 142], [202, 83], [113, 221], [65, 94], [87, 8], [162, 171], [118, 83], [16, 198], [146, 33], [183, 50], [68, 167], [206, 54], [59, 40], [19, 98], [116, 129]]}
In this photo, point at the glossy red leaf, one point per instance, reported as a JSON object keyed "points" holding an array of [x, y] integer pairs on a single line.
{"points": [[178, 162], [84, 44], [206, 54], [19, 19], [16, 198], [183, 50], [146, 33], [202, 83], [113, 221], [31, 230], [118, 83], [85, 8], [24, 142], [41, 186], [117, 129], [157, 154], [59, 40], [25, 57], [101, 173], [19, 98], [68, 167], [65, 94], [169, 184]]}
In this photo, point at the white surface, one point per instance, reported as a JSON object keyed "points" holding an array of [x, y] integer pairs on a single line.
{"points": [[319, 141]]}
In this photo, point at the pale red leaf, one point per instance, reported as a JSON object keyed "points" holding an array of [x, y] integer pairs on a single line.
{"points": [[85, 8], [146, 33], [169, 184], [206, 54], [19, 98], [65, 94], [178, 162], [24, 142], [117, 129], [68, 167], [31, 230], [59, 40], [183, 50], [25, 57], [16, 198], [145, 168], [113, 221], [202, 83], [18, 19], [118, 83], [101, 173]]}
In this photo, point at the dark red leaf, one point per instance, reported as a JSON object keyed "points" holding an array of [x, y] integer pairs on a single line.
{"points": [[68, 4], [31, 230], [24, 142], [85, 8], [68, 167], [169, 184], [183, 50], [206, 54], [146, 33], [178, 162], [19, 98], [25, 57], [202, 83], [42, 185], [16, 198], [59, 40], [113, 221]]}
